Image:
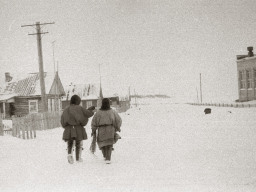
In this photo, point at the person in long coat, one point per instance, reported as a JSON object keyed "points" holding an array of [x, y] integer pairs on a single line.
{"points": [[73, 120], [106, 122]]}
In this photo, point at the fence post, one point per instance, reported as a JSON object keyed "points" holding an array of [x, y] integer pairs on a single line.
{"points": [[27, 126], [22, 127], [1, 126], [14, 131], [33, 124], [30, 127]]}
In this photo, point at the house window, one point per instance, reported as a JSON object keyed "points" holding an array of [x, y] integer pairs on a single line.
{"points": [[247, 74], [240, 75], [249, 84], [49, 105], [33, 106], [249, 79], [53, 104], [88, 104], [242, 79]]}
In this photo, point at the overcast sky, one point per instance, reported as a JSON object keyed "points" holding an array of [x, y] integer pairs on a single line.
{"points": [[157, 47]]}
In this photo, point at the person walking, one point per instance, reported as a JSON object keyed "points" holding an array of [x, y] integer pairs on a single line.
{"points": [[105, 123], [73, 120]]}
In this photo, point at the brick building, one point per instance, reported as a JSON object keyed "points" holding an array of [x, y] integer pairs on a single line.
{"points": [[246, 73]]}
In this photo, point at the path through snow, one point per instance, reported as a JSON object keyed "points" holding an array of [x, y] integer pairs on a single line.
{"points": [[164, 147]]}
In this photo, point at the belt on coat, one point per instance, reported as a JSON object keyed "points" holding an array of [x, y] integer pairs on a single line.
{"points": [[105, 125]]}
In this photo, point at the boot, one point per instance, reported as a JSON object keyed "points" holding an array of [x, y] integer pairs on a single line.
{"points": [[103, 150], [108, 154], [70, 159], [79, 148]]}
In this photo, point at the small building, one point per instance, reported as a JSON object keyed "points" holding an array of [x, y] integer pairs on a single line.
{"points": [[90, 94], [87, 92], [246, 72], [23, 96]]}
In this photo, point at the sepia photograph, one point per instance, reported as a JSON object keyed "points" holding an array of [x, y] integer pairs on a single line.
{"points": [[127, 96]]}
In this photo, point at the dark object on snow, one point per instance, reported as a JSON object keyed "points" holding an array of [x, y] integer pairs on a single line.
{"points": [[91, 108], [116, 137], [229, 111], [93, 144], [207, 110]]}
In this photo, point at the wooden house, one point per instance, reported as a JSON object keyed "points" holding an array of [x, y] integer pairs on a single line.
{"points": [[90, 94], [24, 96], [87, 92]]}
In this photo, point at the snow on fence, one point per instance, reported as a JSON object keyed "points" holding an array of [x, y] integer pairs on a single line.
{"points": [[25, 127], [240, 105]]}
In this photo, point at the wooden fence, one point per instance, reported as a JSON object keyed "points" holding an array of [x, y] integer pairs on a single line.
{"points": [[26, 127], [1, 127], [236, 105]]}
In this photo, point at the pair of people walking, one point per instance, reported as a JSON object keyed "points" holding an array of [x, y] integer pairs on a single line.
{"points": [[105, 123]]}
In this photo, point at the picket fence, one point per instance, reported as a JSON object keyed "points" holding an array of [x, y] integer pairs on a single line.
{"points": [[236, 105], [26, 127], [1, 127]]}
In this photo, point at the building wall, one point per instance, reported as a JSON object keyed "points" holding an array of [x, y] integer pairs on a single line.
{"points": [[83, 103], [246, 73], [22, 105]]}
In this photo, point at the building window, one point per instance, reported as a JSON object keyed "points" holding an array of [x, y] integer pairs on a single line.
{"points": [[249, 84], [53, 104], [249, 79], [33, 106], [49, 105], [242, 79], [88, 104], [247, 74], [240, 75]]}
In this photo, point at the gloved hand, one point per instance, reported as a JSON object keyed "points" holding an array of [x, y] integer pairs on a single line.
{"points": [[91, 108]]}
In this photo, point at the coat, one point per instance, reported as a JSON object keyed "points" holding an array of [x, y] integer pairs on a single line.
{"points": [[107, 122], [73, 120]]}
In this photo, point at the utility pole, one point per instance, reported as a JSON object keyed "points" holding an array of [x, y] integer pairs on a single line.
{"points": [[101, 94], [40, 60], [135, 98], [99, 103], [197, 95], [201, 89], [57, 84], [55, 80]]}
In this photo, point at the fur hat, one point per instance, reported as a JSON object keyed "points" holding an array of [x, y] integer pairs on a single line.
{"points": [[105, 104], [75, 100]]}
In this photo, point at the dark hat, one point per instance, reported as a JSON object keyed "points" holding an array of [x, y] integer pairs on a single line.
{"points": [[75, 99], [105, 104]]}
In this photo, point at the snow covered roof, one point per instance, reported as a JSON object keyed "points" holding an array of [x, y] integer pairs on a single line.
{"points": [[88, 92], [27, 86], [7, 96], [90, 97], [82, 90]]}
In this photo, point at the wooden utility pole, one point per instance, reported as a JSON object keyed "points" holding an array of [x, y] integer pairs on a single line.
{"points": [[55, 80], [197, 95], [40, 60], [135, 98], [201, 89]]}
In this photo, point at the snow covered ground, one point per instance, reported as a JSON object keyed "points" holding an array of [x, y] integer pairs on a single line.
{"points": [[164, 147]]}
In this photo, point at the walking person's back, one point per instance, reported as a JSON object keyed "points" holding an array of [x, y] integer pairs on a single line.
{"points": [[73, 120], [107, 122]]}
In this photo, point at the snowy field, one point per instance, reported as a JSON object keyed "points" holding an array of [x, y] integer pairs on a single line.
{"points": [[164, 147]]}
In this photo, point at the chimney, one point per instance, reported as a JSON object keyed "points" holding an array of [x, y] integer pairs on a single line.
{"points": [[8, 78], [250, 51]]}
